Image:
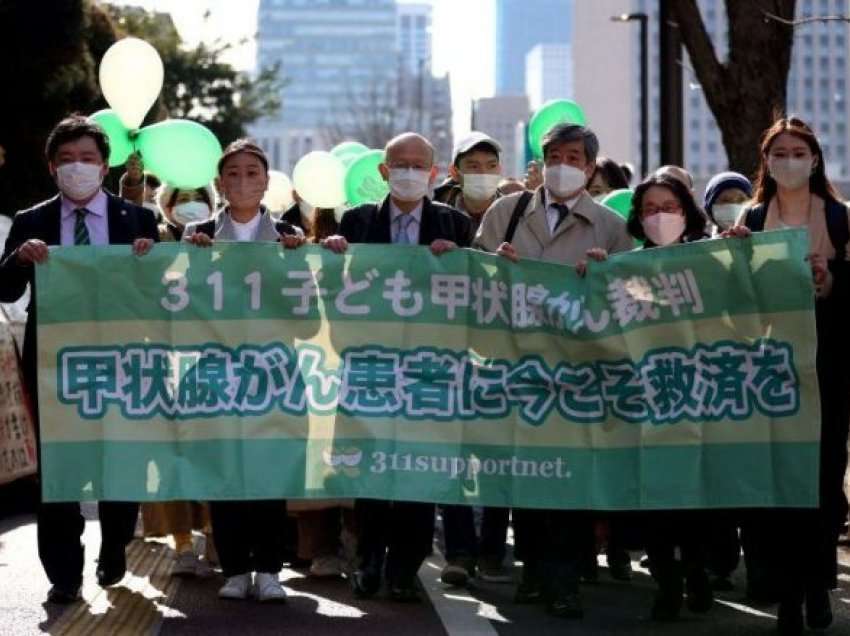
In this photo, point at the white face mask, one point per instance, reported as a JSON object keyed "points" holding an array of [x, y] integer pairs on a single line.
{"points": [[153, 207], [789, 172], [562, 180], [480, 187], [725, 214], [79, 181], [190, 212], [408, 184], [664, 228]]}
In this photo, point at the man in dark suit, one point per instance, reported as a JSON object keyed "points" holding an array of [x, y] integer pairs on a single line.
{"points": [[82, 214], [399, 533]]}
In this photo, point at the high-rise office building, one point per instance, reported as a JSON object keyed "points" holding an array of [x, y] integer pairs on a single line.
{"points": [[816, 90], [548, 73], [335, 55], [414, 37], [520, 26], [354, 69], [499, 118]]}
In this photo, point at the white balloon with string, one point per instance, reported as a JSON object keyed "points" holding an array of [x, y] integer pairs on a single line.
{"points": [[131, 75]]}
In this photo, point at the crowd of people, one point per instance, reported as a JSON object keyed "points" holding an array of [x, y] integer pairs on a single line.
{"points": [[554, 215]]}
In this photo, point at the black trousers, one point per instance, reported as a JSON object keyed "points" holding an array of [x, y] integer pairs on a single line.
{"points": [[60, 526], [550, 544], [397, 534], [461, 539], [249, 535], [666, 530]]}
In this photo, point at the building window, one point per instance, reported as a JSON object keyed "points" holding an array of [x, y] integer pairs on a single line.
{"points": [[695, 147]]}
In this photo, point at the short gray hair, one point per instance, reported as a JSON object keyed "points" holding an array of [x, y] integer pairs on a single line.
{"points": [[562, 133]]}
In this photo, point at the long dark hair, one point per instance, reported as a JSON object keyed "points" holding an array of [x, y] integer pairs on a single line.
{"points": [[324, 224], [695, 220], [611, 172], [819, 184]]}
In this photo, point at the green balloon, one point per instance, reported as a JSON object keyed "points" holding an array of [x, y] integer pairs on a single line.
{"points": [[120, 145], [182, 153], [363, 182], [620, 201], [348, 151], [557, 111]]}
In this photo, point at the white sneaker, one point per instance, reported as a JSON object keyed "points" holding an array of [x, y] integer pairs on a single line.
{"points": [[186, 565], [326, 566], [268, 589], [236, 588]]}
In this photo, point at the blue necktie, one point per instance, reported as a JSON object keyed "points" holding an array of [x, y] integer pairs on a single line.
{"points": [[403, 222]]}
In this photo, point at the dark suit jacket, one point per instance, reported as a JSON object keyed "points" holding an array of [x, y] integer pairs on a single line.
{"points": [[370, 223], [293, 217], [126, 223]]}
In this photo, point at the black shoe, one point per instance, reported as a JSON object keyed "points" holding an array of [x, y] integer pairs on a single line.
{"points": [[458, 572], [818, 610], [404, 593], [668, 599], [566, 606], [620, 570], [365, 584], [111, 566], [790, 619], [530, 588], [63, 595], [700, 595]]}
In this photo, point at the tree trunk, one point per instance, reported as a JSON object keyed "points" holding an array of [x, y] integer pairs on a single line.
{"points": [[747, 91]]}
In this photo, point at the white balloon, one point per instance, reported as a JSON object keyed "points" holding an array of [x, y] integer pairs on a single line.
{"points": [[279, 193], [319, 178], [131, 74]]}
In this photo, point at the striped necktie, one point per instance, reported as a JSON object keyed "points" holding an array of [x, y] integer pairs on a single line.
{"points": [[81, 232]]}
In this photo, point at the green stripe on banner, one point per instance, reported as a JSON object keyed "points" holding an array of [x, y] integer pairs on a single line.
{"points": [[716, 476]]}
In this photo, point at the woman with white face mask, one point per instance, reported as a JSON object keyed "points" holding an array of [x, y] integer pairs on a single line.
{"points": [[664, 213], [792, 190], [181, 207], [725, 198]]}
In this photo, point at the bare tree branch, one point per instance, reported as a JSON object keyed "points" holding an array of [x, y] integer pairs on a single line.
{"points": [[802, 21]]}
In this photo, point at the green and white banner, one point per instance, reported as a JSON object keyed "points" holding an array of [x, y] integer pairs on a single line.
{"points": [[674, 378]]}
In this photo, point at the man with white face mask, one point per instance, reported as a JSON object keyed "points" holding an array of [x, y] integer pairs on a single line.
{"points": [[559, 223], [477, 170], [406, 217], [81, 214]]}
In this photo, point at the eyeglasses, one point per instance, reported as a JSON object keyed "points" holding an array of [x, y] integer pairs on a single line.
{"points": [[667, 208]]}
